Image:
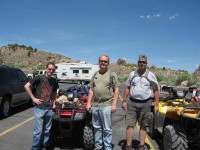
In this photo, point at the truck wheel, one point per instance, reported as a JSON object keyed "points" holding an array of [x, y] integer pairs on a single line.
{"points": [[88, 137], [174, 138], [152, 131], [5, 107]]}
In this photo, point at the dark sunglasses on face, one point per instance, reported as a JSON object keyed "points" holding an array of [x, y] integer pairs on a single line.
{"points": [[51, 69], [142, 62], [103, 61]]}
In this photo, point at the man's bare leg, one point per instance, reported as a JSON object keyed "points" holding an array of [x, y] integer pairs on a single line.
{"points": [[129, 135], [143, 134]]}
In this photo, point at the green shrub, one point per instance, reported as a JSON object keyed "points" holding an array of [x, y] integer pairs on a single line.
{"points": [[29, 54], [181, 78], [122, 78], [160, 77], [192, 79], [40, 67]]}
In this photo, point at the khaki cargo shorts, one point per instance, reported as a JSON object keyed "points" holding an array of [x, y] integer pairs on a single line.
{"points": [[138, 111]]}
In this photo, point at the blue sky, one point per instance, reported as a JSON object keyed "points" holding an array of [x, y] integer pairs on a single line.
{"points": [[167, 31]]}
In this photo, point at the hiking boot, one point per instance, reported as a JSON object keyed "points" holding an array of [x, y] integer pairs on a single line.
{"points": [[128, 147], [141, 147]]}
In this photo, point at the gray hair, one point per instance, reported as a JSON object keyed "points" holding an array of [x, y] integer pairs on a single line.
{"points": [[105, 56], [143, 56]]}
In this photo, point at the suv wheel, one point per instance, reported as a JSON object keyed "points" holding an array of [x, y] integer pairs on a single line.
{"points": [[5, 107]]}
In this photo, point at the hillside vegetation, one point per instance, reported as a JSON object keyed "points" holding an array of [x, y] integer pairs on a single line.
{"points": [[27, 58], [30, 59]]}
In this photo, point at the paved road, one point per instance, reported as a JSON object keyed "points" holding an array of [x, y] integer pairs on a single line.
{"points": [[16, 131]]}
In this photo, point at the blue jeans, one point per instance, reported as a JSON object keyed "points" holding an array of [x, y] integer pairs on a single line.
{"points": [[102, 123], [42, 126]]}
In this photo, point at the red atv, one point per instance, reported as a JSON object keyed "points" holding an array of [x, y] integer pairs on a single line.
{"points": [[72, 119]]}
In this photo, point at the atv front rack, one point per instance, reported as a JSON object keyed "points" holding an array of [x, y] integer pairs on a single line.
{"points": [[67, 117], [69, 111], [192, 112]]}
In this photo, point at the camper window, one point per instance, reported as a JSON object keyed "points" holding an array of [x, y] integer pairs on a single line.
{"points": [[85, 71], [75, 71]]}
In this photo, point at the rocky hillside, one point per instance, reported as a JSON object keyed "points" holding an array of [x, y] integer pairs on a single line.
{"points": [[127, 68], [197, 71], [27, 58], [31, 59]]}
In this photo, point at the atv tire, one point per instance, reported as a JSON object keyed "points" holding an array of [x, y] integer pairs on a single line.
{"points": [[88, 137], [153, 133], [174, 138], [53, 137]]}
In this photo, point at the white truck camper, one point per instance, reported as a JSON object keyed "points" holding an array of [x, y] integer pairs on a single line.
{"points": [[75, 72]]}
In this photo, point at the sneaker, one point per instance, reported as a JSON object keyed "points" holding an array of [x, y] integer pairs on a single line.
{"points": [[128, 147], [141, 147]]}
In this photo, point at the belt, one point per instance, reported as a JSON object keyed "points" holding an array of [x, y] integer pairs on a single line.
{"points": [[140, 101]]}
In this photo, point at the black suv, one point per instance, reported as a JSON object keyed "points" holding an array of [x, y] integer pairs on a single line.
{"points": [[12, 92]]}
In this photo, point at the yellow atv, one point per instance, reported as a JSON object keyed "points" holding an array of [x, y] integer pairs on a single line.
{"points": [[178, 119]]}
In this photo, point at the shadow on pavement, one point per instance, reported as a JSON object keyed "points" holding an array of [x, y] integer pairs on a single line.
{"points": [[69, 143]]}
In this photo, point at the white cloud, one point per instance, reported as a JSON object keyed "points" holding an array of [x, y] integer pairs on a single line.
{"points": [[171, 61], [125, 58], [141, 16], [173, 16], [157, 15], [197, 65], [149, 16]]}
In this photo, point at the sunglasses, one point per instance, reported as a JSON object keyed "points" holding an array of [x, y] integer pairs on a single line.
{"points": [[103, 61], [142, 62], [51, 69]]}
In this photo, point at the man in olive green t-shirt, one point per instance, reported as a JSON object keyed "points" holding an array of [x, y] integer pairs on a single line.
{"points": [[104, 92]]}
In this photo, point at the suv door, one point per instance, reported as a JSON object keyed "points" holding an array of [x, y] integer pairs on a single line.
{"points": [[18, 80], [5, 87]]}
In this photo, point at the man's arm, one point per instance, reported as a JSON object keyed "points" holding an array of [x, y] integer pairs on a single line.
{"points": [[125, 96], [115, 98], [156, 95], [56, 95], [155, 87], [89, 100], [29, 91]]}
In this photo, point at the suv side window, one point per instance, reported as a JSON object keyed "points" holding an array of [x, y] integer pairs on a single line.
{"points": [[3, 76], [14, 76], [21, 76], [17, 76]]}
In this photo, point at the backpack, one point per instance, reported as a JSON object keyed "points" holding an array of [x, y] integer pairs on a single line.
{"points": [[111, 85], [137, 75], [82, 91], [78, 90], [153, 85]]}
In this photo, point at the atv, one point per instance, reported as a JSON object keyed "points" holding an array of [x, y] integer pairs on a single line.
{"points": [[178, 119], [71, 118]]}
